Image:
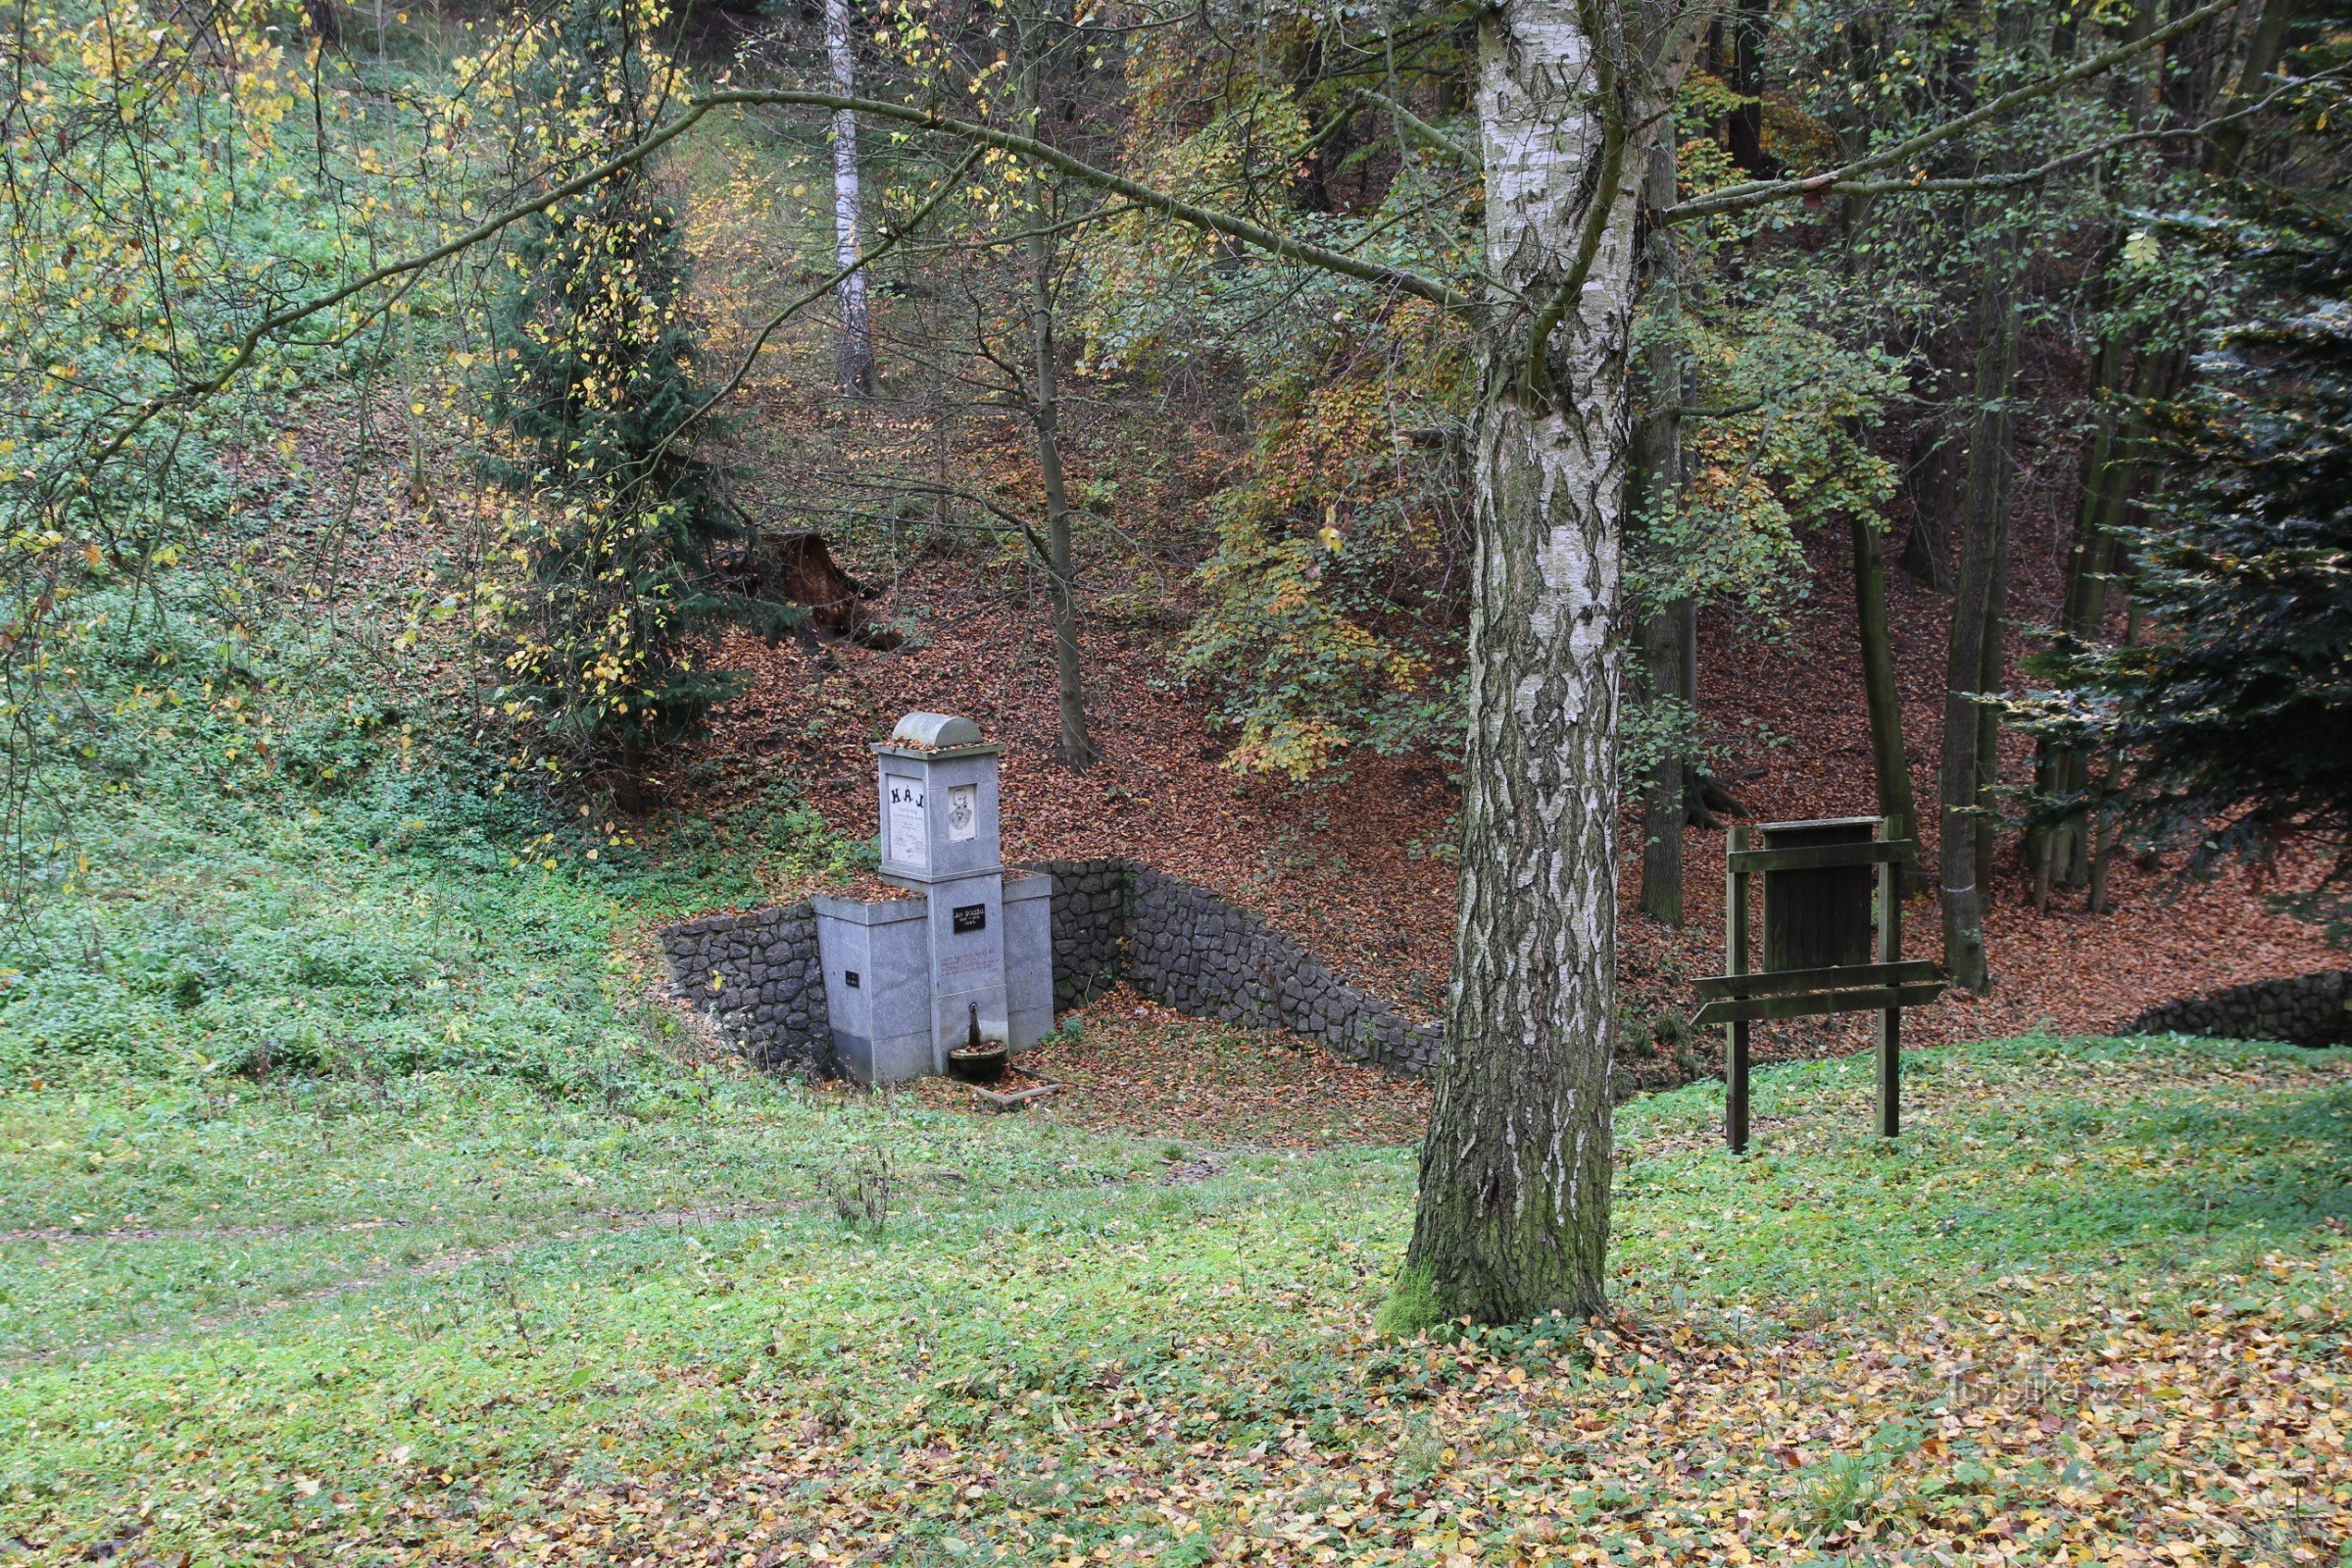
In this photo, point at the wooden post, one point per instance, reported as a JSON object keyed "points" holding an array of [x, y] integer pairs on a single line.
{"points": [[1890, 1021], [1734, 961]]}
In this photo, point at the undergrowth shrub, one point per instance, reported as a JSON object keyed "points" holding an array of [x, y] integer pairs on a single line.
{"points": [[604, 515], [296, 869]]}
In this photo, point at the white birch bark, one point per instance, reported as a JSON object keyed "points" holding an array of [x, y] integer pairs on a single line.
{"points": [[856, 359], [1513, 1217]]}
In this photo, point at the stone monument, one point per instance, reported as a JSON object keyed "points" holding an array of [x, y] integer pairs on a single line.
{"points": [[966, 956]]}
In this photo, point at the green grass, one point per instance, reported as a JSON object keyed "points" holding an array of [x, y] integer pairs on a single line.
{"points": [[273, 860], [279, 1318], [355, 1205], [2135, 1155]]}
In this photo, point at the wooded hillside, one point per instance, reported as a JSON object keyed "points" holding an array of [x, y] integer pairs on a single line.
{"points": [[477, 481]]}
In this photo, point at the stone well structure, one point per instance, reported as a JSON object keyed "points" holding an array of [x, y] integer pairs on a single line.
{"points": [[879, 989], [962, 958]]}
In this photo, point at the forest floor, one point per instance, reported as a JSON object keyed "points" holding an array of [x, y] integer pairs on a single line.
{"points": [[358, 1209], [1358, 866]]}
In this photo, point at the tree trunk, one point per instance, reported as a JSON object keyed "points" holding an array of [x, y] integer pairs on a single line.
{"points": [[1992, 673], [1743, 131], [1656, 477], [855, 363], [1045, 406], [1925, 556], [1514, 1201], [1890, 763], [2105, 830], [1974, 610], [1664, 812], [2053, 846], [2266, 46], [2058, 853]]}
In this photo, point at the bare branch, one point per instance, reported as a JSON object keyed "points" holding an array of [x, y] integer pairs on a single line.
{"points": [[241, 356], [890, 241], [2082, 155], [1421, 128], [1758, 192], [1010, 521], [1270, 240], [1273, 241]]}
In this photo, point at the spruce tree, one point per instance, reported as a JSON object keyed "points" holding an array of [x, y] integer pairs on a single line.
{"points": [[2232, 722], [613, 515]]}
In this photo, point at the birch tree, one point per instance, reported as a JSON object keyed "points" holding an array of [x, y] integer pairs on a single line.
{"points": [[1514, 1205], [856, 359]]}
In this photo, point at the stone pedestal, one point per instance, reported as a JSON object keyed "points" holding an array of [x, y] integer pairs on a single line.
{"points": [[1028, 956], [875, 958], [969, 959]]}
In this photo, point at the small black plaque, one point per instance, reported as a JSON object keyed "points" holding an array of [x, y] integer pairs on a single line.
{"points": [[970, 918], [848, 977]]}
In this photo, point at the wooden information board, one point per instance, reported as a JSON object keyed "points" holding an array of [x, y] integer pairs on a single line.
{"points": [[1830, 946]]}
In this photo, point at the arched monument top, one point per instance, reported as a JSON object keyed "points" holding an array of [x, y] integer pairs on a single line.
{"points": [[935, 732]]}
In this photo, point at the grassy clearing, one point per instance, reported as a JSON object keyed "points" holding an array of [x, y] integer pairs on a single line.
{"points": [[2096, 1298], [354, 1207]]}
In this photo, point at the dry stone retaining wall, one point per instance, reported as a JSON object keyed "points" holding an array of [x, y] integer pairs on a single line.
{"points": [[1113, 919], [1195, 952], [1089, 927], [1184, 946], [2309, 1009], [769, 999]]}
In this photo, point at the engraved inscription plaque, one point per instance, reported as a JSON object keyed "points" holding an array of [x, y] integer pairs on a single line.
{"points": [[910, 840]]}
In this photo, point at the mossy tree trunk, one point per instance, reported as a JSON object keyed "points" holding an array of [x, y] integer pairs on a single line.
{"points": [[1891, 764], [1039, 31], [1044, 410], [1514, 1201], [1655, 487]]}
